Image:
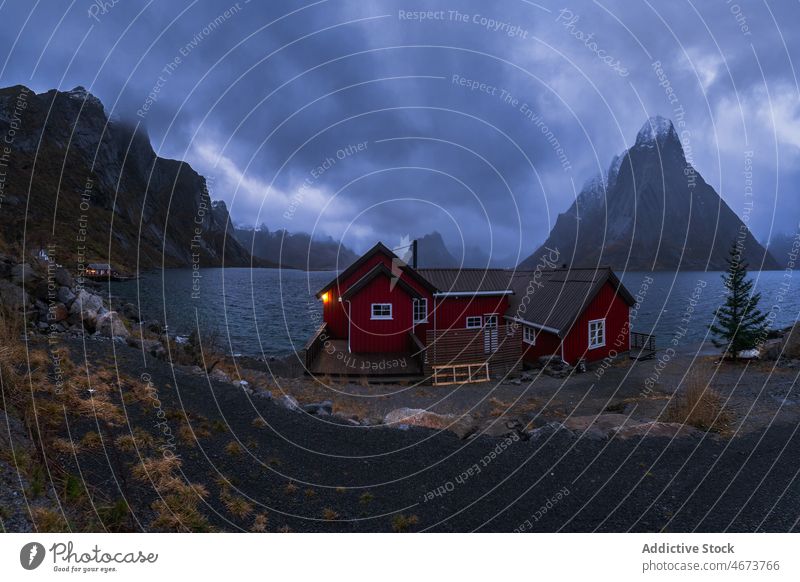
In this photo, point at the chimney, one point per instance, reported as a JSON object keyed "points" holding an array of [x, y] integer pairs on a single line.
{"points": [[414, 253]]}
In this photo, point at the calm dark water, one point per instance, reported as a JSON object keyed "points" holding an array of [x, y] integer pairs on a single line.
{"points": [[270, 311], [680, 306], [253, 311]]}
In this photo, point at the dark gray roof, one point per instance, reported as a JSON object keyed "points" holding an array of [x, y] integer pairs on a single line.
{"points": [[468, 280], [556, 298], [378, 270], [99, 266]]}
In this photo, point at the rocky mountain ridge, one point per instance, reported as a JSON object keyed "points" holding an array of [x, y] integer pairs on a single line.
{"points": [[651, 210], [91, 189]]}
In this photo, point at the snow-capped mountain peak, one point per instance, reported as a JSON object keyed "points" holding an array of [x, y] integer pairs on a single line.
{"points": [[656, 128]]}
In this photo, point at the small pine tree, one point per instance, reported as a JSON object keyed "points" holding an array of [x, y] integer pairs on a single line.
{"points": [[738, 323]]}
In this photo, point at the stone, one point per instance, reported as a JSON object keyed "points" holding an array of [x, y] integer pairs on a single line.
{"points": [[319, 409], [85, 308], [463, 426], [219, 375], [289, 403], [63, 277], [265, 394], [65, 296], [601, 426], [129, 310], [791, 343], [13, 296], [150, 346], [109, 324], [23, 274], [57, 312], [771, 350], [500, 428], [554, 360], [658, 429]]}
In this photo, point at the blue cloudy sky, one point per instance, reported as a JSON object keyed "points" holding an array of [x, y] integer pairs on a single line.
{"points": [[480, 120]]}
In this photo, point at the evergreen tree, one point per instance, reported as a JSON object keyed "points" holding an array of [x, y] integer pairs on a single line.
{"points": [[739, 324]]}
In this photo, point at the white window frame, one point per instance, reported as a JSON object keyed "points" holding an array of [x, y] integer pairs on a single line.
{"points": [[491, 320], [601, 337], [480, 321], [383, 317], [419, 302], [529, 335]]}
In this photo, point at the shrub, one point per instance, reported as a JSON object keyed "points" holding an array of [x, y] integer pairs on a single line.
{"points": [[699, 405]]}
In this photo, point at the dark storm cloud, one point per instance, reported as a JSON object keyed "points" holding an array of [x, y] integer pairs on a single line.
{"points": [[272, 99]]}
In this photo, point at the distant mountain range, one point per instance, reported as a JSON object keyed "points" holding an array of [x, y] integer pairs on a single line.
{"points": [[433, 252], [94, 190], [651, 211], [298, 250]]}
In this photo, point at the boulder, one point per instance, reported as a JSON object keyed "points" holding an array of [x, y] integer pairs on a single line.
{"points": [[57, 312], [87, 309], [600, 426], [150, 346], [65, 296], [109, 324], [791, 343], [129, 310], [502, 427], [657, 429], [324, 408], [23, 274], [289, 403], [12, 297], [63, 277], [463, 426], [771, 349]]}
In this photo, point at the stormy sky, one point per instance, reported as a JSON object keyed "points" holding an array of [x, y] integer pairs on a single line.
{"points": [[364, 121]]}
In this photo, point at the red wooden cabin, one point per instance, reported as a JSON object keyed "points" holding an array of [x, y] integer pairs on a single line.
{"points": [[578, 314], [383, 316]]}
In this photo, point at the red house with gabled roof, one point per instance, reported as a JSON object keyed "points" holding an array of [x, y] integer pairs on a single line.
{"points": [[383, 316]]}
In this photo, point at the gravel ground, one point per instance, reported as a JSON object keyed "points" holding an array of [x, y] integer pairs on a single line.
{"points": [[355, 478]]}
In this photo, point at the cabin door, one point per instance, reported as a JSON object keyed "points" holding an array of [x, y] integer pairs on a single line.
{"points": [[490, 334]]}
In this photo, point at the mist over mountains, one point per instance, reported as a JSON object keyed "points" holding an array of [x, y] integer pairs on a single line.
{"points": [[651, 210]]}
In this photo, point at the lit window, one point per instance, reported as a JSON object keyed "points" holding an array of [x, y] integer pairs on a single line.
{"points": [[381, 311], [597, 333], [529, 335], [474, 322], [420, 311]]}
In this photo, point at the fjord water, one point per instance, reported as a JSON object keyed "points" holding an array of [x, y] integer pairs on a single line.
{"points": [[266, 312]]}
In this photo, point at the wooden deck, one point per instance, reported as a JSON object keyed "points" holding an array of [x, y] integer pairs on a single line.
{"points": [[334, 360]]}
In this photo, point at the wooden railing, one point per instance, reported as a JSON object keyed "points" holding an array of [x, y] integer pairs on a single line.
{"points": [[315, 344], [642, 344], [461, 374]]}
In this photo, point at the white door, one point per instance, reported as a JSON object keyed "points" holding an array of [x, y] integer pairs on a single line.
{"points": [[490, 333]]}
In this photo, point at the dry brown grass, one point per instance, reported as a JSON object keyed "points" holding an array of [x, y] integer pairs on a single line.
{"points": [[402, 523], [260, 523], [329, 514], [238, 506], [177, 508], [233, 448], [699, 404]]}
